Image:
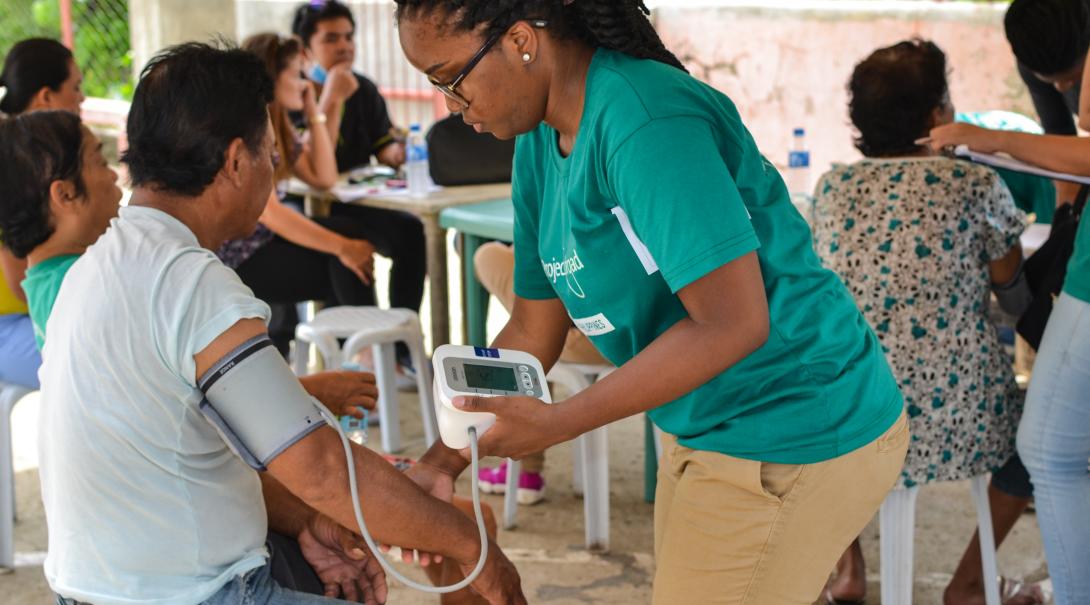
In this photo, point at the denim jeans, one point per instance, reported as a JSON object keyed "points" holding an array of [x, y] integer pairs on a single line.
{"points": [[287, 579], [19, 359], [1054, 442], [255, 587]]}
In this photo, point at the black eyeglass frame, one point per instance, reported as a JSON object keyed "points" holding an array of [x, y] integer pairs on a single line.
{"points": [[449, 91]]}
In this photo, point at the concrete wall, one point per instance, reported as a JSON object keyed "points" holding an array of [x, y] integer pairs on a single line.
{"points": [[156, 24], [787, 63]]}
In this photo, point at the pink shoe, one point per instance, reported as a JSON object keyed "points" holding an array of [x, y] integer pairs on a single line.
{"points": [[531, 488], [493, 480]]}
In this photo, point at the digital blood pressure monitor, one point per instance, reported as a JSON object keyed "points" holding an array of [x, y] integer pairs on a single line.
{"points": [[481, 372]]}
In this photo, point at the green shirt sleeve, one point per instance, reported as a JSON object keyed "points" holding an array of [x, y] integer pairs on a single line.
{"points": [[670, 179], [530, 279]]}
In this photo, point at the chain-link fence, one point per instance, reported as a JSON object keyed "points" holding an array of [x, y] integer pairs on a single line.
{"points": [[97, 31]]}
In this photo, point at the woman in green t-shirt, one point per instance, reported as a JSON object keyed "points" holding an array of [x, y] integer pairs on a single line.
{"points": [[646, 216]]}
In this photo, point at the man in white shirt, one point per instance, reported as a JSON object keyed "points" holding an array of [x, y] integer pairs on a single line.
{"points": [[145, 501]]}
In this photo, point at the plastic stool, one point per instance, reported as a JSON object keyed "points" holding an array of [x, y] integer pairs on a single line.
{"points": [[379, 329], [10, 394], [897, 522], [590, 463]]}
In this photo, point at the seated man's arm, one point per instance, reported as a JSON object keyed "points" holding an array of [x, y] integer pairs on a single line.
{"points": [[340, 558], [399, 512]]}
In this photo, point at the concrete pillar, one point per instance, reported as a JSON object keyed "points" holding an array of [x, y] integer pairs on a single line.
{"points": [[156, 24]]}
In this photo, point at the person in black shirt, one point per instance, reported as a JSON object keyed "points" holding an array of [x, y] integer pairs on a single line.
{"points": [[361, 128], [1050, 39]]}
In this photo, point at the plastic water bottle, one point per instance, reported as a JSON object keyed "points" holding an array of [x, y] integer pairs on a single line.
{"points": [[355, 428], [798, 165], [416, 163]]}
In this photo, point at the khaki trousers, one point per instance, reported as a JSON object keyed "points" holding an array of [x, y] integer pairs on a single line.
{"points": [[743, 532]]}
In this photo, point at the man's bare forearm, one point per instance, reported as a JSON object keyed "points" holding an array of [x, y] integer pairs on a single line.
{"points": [[397, 511], [287, 513]]}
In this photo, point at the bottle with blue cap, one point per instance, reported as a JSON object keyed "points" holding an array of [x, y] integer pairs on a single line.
{"points": [[416, 163], [797, 175]]}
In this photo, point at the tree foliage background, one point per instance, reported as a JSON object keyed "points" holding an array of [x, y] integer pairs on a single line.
{"points": [[101, 39]]}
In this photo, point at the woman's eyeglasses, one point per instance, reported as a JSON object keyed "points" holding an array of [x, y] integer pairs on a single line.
{"points": [[449, 90]]}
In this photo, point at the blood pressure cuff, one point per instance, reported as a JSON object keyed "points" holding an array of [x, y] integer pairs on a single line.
{"points": [[256, 402]]}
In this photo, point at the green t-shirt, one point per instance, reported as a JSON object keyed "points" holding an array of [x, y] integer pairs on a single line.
{"points": [[663, 186], [1031, 193], [1077, 282], [41, 284]]}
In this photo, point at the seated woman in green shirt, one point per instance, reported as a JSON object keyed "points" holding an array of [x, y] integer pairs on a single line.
{"points": [[646, 215]]}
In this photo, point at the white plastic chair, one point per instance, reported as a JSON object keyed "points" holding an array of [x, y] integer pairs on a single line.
{"points": [[379, 329], [590, 463], [10, 394], [897, 522]]}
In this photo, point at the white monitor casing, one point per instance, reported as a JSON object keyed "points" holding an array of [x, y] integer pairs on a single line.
{"points": [[449, 362]]}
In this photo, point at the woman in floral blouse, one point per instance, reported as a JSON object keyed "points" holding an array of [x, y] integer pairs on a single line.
{"points": [[921, 241]]}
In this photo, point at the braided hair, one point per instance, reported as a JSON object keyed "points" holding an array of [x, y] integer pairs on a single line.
{"points": [[620, 25]]}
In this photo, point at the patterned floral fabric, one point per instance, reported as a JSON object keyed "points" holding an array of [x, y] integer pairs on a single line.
{"points": [[237, 251], [912, 239]]}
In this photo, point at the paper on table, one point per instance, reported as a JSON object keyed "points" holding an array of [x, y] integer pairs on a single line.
{"points": [[1003, 161], [347, 193]]}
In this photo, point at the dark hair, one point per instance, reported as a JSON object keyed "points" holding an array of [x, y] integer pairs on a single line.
{"points": [[309, 15], [31, 65], [36, 149], [276, 52], [620, 25], [192, 101], [1048, 36], [894, 93]]}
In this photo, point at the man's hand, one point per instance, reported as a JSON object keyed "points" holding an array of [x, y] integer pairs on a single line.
{"points": [[340, 83], [343, 391], [342, 561], [359, 256], [499, 581]]}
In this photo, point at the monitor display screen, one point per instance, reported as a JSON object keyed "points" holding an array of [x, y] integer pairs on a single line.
{"points": [[491, 378]]}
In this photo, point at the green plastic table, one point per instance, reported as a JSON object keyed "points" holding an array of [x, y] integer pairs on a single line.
{"points": [[478, 223]]}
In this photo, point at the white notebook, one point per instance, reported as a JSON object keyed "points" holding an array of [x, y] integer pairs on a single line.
{"points": [[1005, 161]]}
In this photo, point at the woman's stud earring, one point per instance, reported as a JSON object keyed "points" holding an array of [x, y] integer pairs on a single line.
{"points": [[525, 57]]}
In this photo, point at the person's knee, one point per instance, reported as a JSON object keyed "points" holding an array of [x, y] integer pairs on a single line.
{"points": [[494, 264]]}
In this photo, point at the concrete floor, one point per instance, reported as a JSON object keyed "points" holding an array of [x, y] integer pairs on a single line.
{"points": [[547, 546]]}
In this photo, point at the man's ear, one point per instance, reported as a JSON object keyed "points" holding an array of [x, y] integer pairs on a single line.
{"points": [[62, 197], [233, 161]]}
